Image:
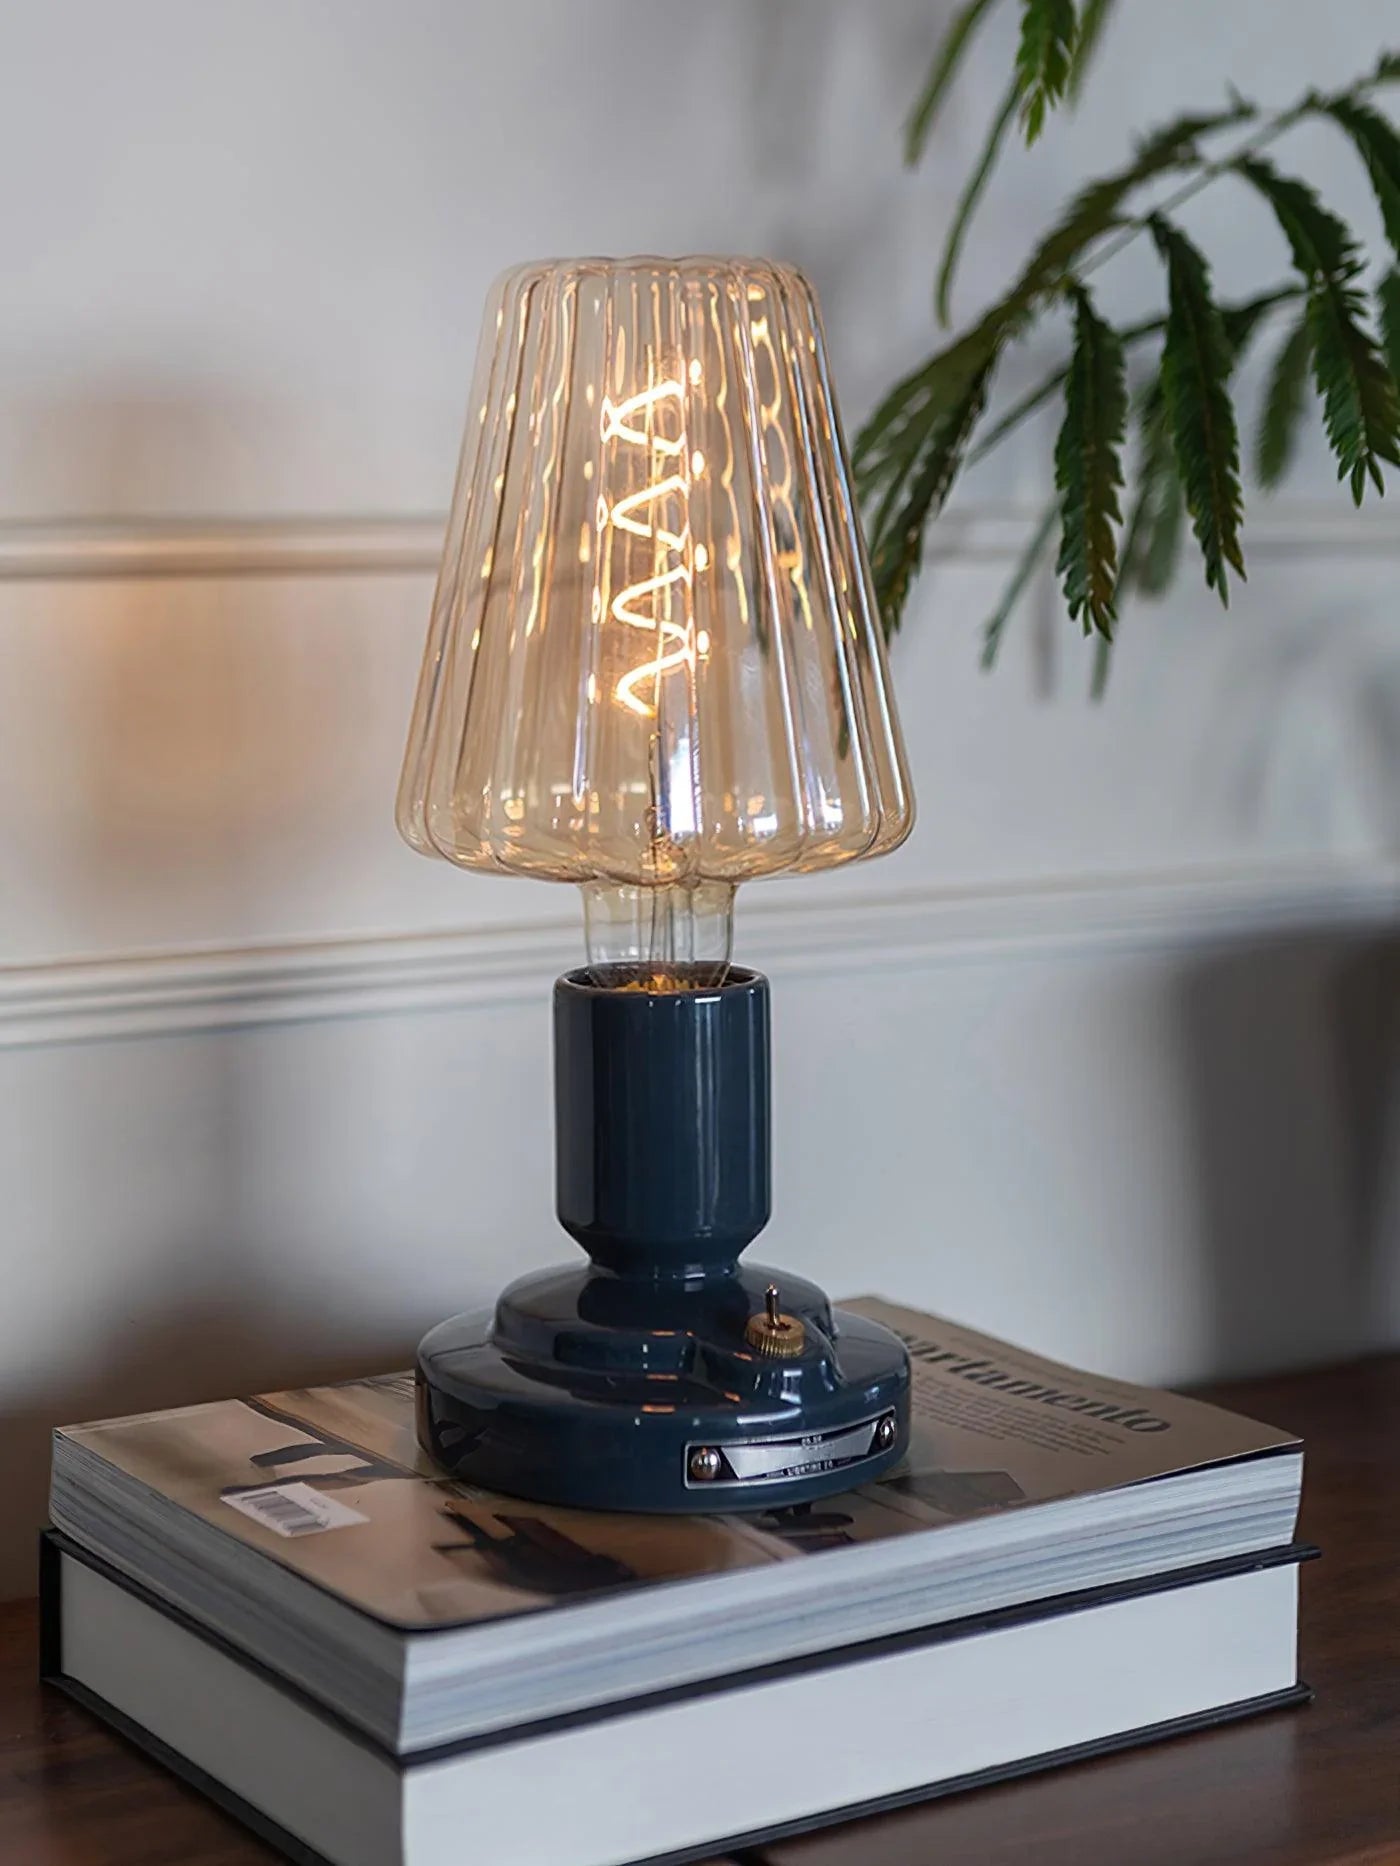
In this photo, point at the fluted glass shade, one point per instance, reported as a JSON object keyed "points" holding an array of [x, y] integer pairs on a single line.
{"points": [[654, 665]]}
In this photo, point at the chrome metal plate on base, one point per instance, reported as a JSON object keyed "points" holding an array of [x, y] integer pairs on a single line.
{"points": [[785, 1460]]}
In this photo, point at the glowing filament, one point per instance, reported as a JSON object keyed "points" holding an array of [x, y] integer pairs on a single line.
{"points": [[652, 602]]}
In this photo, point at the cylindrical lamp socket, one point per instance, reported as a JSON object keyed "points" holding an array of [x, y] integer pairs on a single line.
{"points": [[662, 1123]]}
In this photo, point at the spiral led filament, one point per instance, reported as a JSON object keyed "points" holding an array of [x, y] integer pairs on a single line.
{"points": [[658, 513]]}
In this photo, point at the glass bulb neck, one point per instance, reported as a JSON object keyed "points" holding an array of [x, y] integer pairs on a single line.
{"points": [[676, 937]]}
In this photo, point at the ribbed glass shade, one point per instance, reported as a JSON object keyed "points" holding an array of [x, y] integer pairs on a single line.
{"points": [[654, 660]]}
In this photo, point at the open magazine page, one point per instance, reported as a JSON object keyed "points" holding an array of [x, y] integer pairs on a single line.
{"points": [[330, 1482], [996, 1425]]}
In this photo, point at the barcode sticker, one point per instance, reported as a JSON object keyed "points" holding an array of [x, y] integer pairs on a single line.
{"points": [[294, 1509]]}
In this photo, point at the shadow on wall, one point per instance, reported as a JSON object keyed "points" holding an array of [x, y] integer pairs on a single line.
{"points": [[1290, 1073]]}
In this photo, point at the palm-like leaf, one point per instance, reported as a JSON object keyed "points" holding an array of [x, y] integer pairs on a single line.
{"points": [[1283, 404], [1379, 147], [1359, 405], [897, 535], [1094, 211], [1196, 364], [1152, 538], [1321, 244], [1360, 410], [1089, 468], [941, 74], [1043, 59], [1388, 306], [891, 442]]}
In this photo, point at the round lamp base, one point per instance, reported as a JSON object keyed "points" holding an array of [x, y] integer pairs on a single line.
{"points": [[620, 1393]]}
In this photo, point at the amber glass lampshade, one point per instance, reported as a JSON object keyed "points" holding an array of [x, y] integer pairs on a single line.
{"points": [[654, 665]]}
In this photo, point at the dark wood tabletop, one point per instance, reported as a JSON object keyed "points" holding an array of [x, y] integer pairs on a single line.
{"points": [[1312, 1787]]}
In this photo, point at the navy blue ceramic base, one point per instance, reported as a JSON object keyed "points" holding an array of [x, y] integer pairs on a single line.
{"points": [[631, 1382], [596, 1390]]}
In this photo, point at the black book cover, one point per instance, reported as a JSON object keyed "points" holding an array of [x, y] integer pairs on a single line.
{"points": [[54, 1546]]}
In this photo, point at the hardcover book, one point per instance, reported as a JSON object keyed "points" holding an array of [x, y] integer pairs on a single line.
{"points": [[1071, 1561]]}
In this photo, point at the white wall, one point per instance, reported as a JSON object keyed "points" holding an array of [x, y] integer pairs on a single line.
{"points": [[1101, 1060]]}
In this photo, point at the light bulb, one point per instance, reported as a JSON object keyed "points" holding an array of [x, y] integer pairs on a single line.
{"points": [[655, 666]]}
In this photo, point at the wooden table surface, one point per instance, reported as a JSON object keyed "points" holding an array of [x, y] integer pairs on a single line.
{"points": [[1313, 1787]]}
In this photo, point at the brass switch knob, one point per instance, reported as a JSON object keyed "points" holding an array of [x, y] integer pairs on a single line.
{"points": [[773, 1334]]}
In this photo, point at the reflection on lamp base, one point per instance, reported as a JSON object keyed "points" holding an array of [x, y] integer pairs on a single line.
{"points": [[607, 1392]]}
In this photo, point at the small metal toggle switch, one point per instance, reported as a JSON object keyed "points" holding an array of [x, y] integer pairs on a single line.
{"points": [[773, 1334]]}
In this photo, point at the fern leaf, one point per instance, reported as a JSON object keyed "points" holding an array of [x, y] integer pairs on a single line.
{"points": [[1388, 306], [897, 535], [971, 195], [1283, 405], [1086, 42], [995, 626], [1096, 208], [941, 74], [902, 419], [1043, 58], [1196, 364], [1322, 245], [1386, 69], [1359, 403], [1089, 468], [1379, 148], [1152, 536]]}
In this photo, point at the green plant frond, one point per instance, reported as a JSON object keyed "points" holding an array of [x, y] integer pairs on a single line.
{"points": [[1240, 320], [1196, 365], [971, 195], [897, 533], [1283, 405], [1321, 244], [1152, 536], [995, 626], [1359, 404], [916, 400], [1086, 42], [941, 73], [1165, 147], [1043, 58], [1089, 468], [1386, 69], [1378, 145], [1095, 210], [1388, 311]]}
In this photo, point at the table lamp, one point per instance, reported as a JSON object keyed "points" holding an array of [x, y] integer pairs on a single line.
{"points": [[654, 669]]}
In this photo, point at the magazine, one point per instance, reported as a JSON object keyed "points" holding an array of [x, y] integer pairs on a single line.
{"points": [[329, 1481]]}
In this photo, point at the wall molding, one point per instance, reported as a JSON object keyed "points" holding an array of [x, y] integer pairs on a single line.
{"points": [[167, 993], [388, 545]]}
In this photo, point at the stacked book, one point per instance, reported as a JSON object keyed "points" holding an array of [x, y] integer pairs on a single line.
{"points": [[374, 1665]]}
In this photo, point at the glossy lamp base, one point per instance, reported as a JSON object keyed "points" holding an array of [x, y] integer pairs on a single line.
{"points": [[663, 1374], [607, 1392]]}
